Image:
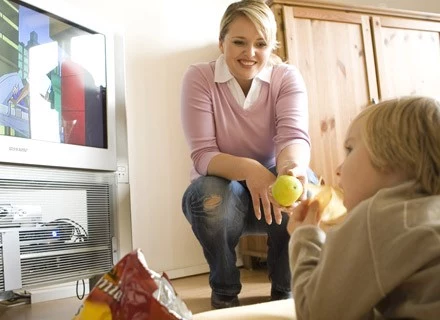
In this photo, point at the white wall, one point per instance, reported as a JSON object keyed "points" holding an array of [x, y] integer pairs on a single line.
{"points": [[162, 38]]}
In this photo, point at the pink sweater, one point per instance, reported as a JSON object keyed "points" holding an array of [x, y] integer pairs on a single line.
{"points": [[213, 122]]}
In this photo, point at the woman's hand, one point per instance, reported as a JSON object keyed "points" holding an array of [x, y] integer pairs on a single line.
{"points": [[306, 213], [278, 209], [258, 182], [290, 168]]}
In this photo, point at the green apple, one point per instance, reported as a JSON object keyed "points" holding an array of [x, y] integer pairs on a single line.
{"points": [[286, 190]]}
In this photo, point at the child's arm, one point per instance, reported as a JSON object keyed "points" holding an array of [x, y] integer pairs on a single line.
{"points": [[338, 280]]}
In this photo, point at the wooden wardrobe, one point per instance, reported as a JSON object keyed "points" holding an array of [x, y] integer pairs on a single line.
{"points": [[350, 57]]}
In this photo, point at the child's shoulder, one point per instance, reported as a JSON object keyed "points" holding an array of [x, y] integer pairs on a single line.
{"points": [[424, 212], [403, 207]]}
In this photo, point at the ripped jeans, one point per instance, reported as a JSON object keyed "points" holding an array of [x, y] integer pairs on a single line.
{"points": [[220, 211]]}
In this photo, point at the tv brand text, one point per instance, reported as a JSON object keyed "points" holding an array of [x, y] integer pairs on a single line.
{"points": [[18, 149]]}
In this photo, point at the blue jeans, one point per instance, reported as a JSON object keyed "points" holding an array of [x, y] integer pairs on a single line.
{"points": [[220, 211]]}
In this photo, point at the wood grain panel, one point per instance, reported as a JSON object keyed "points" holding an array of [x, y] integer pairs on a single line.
{"points": [[408, 60], [253, 246], [327, 15], [339, 73], [392, 22], [281, 50]]}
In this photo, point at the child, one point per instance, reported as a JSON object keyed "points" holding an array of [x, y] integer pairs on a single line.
{"points": [[383, 261]]}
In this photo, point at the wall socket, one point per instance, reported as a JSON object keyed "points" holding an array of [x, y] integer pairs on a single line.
{"points": [[122, 173]]}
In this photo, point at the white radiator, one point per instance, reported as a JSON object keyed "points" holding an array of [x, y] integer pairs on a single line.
{"points": [[55, 225]]}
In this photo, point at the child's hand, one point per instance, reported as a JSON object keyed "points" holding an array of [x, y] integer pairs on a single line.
{"points": [[306, 213]]}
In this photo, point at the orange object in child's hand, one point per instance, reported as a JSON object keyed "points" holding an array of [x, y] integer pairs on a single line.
{"points": [[325, 208], [331, 207]]}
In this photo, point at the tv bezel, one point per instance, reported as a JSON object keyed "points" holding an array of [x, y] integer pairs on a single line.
{"points": [[15, 150]]}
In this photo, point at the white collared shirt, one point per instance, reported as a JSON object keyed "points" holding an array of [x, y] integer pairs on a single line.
{"points": [[222, 75]]}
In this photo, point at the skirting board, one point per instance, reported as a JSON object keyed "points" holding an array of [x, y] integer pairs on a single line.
{"points": [[65, 290]]}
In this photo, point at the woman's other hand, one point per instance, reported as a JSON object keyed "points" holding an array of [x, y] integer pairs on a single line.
{"points": [[291, 169], [301, 175]]}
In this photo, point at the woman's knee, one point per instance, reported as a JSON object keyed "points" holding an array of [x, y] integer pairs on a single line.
{"points": [[204, 194], [213, 195]]}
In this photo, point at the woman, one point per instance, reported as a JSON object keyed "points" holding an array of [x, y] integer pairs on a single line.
{"points": [[245, 119]]}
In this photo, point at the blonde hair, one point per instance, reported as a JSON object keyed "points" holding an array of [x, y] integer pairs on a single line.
{"points": [[261, 16], [404, 134]]}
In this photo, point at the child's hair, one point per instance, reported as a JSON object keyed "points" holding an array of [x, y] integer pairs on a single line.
{"points": [[404, 134], [261, 16]]}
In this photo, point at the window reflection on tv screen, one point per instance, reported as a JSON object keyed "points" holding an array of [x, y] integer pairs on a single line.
{"points": [[52, 78]]}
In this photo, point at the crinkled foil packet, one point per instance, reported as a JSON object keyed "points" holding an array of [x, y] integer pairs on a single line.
{"points": [[131, 291]]}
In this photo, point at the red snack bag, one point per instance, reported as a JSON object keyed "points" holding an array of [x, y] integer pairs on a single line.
{"points": [[131, 291]]}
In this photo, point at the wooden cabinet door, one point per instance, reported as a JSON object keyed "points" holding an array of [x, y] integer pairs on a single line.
{"points": [[408, 56], [334, 52]]}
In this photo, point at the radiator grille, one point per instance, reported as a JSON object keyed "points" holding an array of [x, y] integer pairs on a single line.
{"points": [[61, 266], [66, 232]]}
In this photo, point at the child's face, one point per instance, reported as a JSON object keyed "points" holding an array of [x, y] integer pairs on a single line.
{"points": [[358, 178]]}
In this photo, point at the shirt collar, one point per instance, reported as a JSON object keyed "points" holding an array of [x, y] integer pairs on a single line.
{"points": [[222, 73]]}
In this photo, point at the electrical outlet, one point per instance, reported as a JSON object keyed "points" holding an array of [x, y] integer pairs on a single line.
{"points": [[122, 174]]}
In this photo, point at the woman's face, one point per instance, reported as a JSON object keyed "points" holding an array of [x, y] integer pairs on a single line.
{"points": [[245, 50], [358, 178]]}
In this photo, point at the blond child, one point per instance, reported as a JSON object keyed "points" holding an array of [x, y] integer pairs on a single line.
{"points": [[383, 261]]}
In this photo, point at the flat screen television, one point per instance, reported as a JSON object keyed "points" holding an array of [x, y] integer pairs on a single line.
{"points": [[57, 94]]}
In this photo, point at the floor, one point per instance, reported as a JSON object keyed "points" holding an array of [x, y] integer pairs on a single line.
{"points": [[194, 291]]}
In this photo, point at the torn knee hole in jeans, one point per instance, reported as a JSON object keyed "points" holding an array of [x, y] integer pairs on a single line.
{"points": [[212, 202]]}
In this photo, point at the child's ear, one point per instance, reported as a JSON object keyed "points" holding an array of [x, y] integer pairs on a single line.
{"points": [[387, 169], [391, 169], [397, 175]]}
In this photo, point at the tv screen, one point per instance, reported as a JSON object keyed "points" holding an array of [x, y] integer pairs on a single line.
{"points": [[53, 83], [51, 88]]}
